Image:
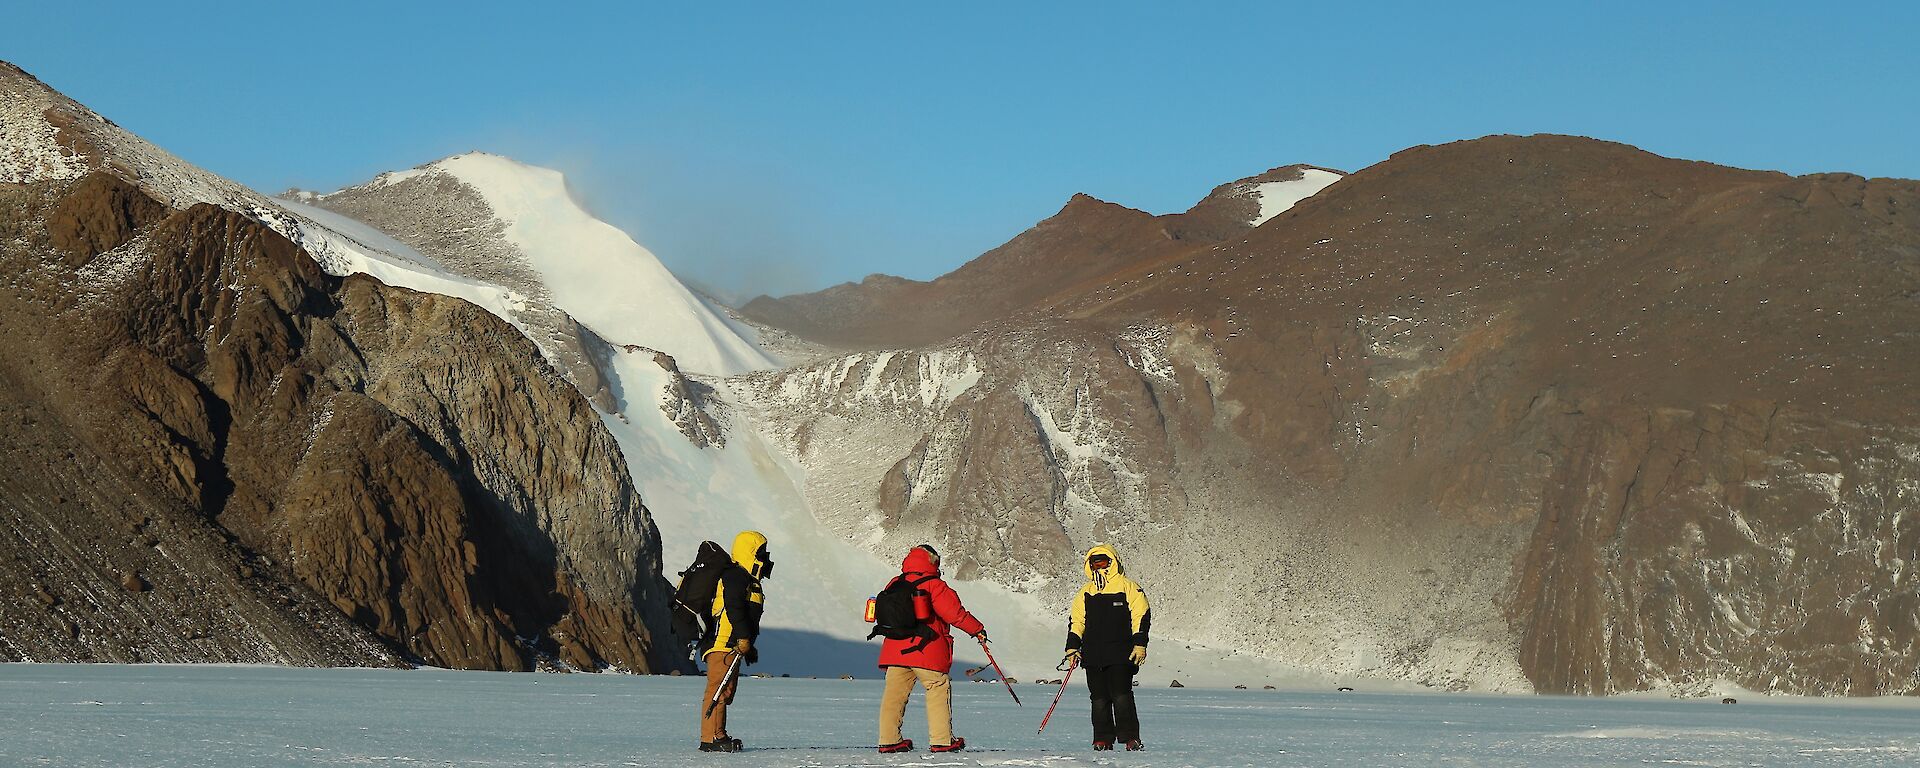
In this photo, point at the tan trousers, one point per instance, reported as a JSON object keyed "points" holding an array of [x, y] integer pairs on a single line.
{"points": [[713, 725], [893, 704]]}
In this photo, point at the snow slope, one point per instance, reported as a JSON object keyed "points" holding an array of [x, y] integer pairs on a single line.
{"points": [[1277, 196], [344, 246], [594, 271]]}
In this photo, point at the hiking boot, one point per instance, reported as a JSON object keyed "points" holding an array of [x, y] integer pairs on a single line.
{"points": [[1102, 746], [898, 746], [1134, 745], [722, 744], [957, 745]]}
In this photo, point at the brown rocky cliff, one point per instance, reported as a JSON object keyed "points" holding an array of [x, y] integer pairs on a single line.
{"points": [[407, 458], [1536, 413], [1689, 381]]}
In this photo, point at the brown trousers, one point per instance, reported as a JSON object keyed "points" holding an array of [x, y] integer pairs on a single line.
{"points": [[713, 724], [893, 704]]}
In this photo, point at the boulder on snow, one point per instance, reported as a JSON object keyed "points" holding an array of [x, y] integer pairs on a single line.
{"points": [[1729, 700], [1344, 689], [1176, 684]]}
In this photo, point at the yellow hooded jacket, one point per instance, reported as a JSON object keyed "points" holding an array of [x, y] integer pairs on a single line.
{"points": [[1110, 615], [739, 600]]}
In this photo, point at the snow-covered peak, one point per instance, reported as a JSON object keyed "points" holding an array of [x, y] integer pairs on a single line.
{"points": [[591, 269], [1276, 197]]}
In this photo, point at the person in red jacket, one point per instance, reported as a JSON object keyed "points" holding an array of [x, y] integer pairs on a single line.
{"points": [[926, 659]]}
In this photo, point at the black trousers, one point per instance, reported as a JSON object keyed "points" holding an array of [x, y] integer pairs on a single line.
{"points": [[1114, 718]]}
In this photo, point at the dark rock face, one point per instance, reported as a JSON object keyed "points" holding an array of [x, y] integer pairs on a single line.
{"points": [[1543, 412], [406, 459], [101, 214]]}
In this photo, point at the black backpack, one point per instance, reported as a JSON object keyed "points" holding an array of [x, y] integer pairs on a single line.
{"points": [[893, 614], [693, 598]]}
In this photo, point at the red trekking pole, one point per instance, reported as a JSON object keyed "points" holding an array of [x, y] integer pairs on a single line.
{"points": [[998, 671], [1056, 695]]}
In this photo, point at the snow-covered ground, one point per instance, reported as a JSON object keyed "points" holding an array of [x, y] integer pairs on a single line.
{"points": [[111, 715]]}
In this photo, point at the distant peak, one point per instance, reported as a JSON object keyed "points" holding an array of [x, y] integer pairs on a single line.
{"points": [[1082, 204], [1084, 199]]}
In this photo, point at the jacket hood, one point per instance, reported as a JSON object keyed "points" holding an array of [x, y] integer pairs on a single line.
{"points": [[750, 551], [918, 561], [1101, 549]]}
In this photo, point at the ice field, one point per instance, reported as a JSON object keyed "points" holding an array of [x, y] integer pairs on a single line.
{"points": [[135, 716]]}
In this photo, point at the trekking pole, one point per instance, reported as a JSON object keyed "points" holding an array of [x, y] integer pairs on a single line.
{"points": [[1056, 694], [1001, 673], [733, 673]]}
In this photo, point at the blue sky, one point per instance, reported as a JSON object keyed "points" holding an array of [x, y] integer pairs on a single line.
{"points": [[762, 147]]}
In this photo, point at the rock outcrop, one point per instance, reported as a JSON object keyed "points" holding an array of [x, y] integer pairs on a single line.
{"points": [[294, 467]]}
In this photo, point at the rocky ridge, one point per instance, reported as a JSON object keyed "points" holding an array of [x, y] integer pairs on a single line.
{"points": [[1082, 243], [338, 471]]}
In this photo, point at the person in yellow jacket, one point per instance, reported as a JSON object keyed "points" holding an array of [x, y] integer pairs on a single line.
{"points": [[1107, 635], [737, 605]]}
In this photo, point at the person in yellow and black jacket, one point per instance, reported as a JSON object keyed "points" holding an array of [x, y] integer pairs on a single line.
{"points": [[1107, 635], [737, 605]]}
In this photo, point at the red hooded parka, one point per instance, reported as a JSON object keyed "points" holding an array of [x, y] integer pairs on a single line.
{"points": [[947, 612]]}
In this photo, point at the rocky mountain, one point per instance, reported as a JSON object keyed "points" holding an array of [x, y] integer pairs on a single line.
{"points": [[1081, 244], [224, 442], [1520, 413]]}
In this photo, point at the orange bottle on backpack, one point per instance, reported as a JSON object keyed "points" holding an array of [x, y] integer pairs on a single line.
{"points": [[870, 602]]}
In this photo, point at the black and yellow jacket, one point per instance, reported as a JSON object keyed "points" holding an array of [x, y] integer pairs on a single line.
{"points": [[739, 600], [1110, 615]]}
